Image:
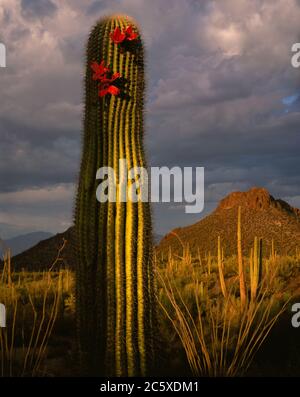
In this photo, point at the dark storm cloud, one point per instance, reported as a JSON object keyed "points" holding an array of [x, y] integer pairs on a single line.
{"points": [[52, 158], [218, 73], [97, 6], [38, 8], [73, 48]]}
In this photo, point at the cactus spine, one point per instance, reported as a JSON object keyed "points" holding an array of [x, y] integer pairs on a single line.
{"points": [[115, 315]]}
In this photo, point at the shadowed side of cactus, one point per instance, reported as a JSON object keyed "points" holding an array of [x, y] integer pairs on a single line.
{"points": [[115, 292]]}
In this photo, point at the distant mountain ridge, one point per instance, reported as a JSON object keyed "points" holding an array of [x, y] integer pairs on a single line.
{"points": [[23, 242], [43, 254], [262, 216]]}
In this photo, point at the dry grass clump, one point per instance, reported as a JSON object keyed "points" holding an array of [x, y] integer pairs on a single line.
{"points": [[33, 302]]}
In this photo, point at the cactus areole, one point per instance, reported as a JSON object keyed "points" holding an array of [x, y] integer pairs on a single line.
{"points": [[114, 287]]}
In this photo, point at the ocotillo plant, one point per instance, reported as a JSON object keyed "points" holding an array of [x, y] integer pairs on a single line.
{"points": [[273, 252], [240, 260], [208, 263], [221, 268], [115, 293]]}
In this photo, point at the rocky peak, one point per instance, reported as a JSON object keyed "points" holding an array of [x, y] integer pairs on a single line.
{"points": [[256, 198]]}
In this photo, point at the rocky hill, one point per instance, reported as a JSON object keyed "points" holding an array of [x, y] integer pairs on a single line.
{"points": [[262, 216], [43, 254]]}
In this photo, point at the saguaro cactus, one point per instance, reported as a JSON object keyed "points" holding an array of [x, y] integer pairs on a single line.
{"points": [[115, 309]]}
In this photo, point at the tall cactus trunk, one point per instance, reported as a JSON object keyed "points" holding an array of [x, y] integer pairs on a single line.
{"points": [[240, 261], [115, 292]]}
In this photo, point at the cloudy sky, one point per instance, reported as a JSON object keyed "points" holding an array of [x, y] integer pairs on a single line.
{"points": [[221, 94]]}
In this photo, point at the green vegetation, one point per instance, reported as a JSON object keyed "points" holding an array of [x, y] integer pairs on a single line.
{"points": [[222, 311], [219, 333], [205, 326], [41, 301]]}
